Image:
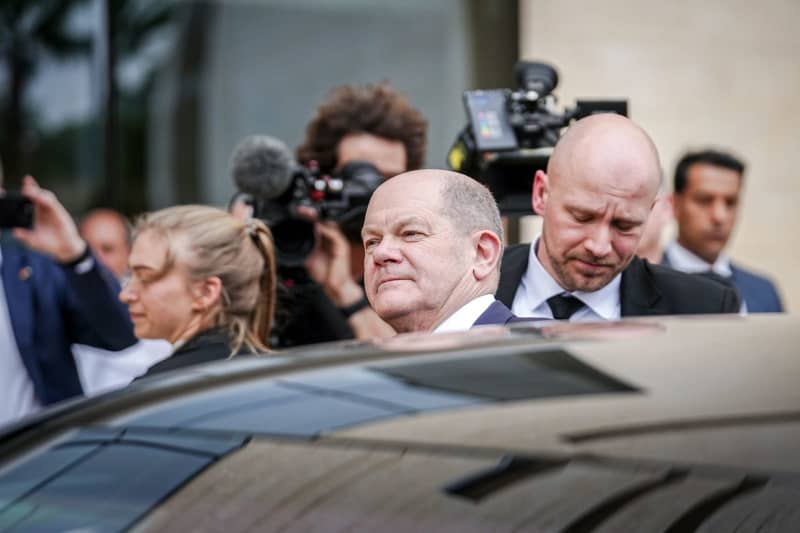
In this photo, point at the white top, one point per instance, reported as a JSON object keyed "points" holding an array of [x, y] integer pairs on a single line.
{"points": [[103, 370], [18, 397], [537, 285], [465, 317], [682, 259]]}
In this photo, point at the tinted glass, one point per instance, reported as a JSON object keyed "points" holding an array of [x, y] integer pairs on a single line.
{"points": [[539, 374], [103, 486]]}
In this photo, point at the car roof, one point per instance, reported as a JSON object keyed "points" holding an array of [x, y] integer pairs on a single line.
{"points": [[577, 420]]}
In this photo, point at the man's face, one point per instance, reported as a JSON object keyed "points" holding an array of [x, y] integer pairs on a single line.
{"points": [[108, 240], [706, 209], [592, 225], [387, 155], [416, 263]]}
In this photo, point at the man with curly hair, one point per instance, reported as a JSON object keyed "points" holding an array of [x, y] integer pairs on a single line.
{"points": [[366, 123], [372, 123]]}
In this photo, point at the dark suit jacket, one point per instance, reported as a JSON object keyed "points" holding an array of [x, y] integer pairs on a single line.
{"points": [[645, 289], [497, 313], [758, 292], [51, 308], [206, 346]]}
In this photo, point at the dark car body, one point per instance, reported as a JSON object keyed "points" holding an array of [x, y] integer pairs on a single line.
{"points": [[675, 424]]}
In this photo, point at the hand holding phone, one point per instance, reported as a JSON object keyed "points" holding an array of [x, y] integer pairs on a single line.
{"points": [[54, 233]]}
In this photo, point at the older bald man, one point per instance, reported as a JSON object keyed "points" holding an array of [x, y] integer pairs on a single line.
{"points": [[599, 188], [432, 245]]}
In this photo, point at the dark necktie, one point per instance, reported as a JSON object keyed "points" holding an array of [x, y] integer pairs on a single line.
{"points": [[564, 306]]}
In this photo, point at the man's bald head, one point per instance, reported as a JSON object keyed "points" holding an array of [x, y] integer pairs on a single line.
{"points": [[610, 147], [607, 147], [600, 185]]}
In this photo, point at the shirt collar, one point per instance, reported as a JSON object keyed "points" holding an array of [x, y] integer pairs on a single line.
{"points": [[682, 259], [603, 302], [465, 317]]}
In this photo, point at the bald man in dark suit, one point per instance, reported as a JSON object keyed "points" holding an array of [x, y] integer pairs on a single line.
{"points": [[599, 188]]}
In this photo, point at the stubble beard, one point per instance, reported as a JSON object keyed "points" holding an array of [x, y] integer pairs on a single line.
{"points": [[571, 280]]}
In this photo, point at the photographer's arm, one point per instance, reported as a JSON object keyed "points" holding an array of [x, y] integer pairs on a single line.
{"points": [[329, 265]]}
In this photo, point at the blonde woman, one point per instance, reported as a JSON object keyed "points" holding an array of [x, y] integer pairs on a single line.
{"points": [[204, 281]]}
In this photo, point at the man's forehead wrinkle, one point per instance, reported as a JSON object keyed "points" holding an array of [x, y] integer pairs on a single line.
{"points": [[404, 195], [391, 218]]}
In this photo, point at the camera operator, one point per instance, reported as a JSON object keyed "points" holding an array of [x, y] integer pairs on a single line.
{"points": [[371, 123]]}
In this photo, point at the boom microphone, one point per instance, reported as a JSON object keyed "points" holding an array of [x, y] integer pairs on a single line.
{"points": [[262, 166]]}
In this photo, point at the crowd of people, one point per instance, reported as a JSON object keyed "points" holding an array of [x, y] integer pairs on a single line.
{"points": [[92, 306]]}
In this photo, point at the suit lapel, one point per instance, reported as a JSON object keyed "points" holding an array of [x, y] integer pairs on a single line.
{"points": [[513, 267], [497, 313], [638, 292], [18, 285]]}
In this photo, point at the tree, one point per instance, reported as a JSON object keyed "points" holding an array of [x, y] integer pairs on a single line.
{"points": [[129, 25], [30, 30]]}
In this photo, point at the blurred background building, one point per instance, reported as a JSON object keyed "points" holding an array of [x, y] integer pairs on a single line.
{"points": [[137, 104]]}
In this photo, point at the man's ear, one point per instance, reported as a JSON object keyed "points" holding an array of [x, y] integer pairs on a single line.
{"points": [[488, 248], [540, 192], [207, 294]]}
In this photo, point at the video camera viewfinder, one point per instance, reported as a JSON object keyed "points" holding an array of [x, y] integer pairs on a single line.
{"points": [[511, 133], [488, 116]]}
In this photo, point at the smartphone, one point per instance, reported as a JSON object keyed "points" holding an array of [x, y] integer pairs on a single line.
{"points": [[16, 211]]}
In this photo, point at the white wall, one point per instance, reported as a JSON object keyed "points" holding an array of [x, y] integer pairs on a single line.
{"points": [[697, 74]]}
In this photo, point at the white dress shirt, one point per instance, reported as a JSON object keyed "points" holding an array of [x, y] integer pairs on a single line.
{"points": [[18, 397], [537, 285], [102, 370], [682, 259], [465, 317]]}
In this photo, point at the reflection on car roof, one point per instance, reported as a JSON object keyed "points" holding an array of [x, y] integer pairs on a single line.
{"points": [[656, 425]]}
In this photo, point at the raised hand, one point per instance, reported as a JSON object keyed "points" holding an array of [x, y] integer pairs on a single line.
{"points": [[329, 264], [54, 232]]}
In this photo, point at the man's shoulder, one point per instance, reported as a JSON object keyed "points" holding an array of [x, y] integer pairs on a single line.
{"points": [[760, 293], [751, 277], [675, 292], [668, 277]]}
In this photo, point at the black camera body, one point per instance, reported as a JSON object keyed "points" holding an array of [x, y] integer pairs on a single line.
{"points": [[341, 197], [511, 133]]}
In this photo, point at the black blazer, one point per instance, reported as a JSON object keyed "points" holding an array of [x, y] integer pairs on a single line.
{"points": [[645, 289], [206, 346], [758, 292]]}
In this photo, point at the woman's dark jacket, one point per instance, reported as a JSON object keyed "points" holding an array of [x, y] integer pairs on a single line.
{"points": [[209, 345]]}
